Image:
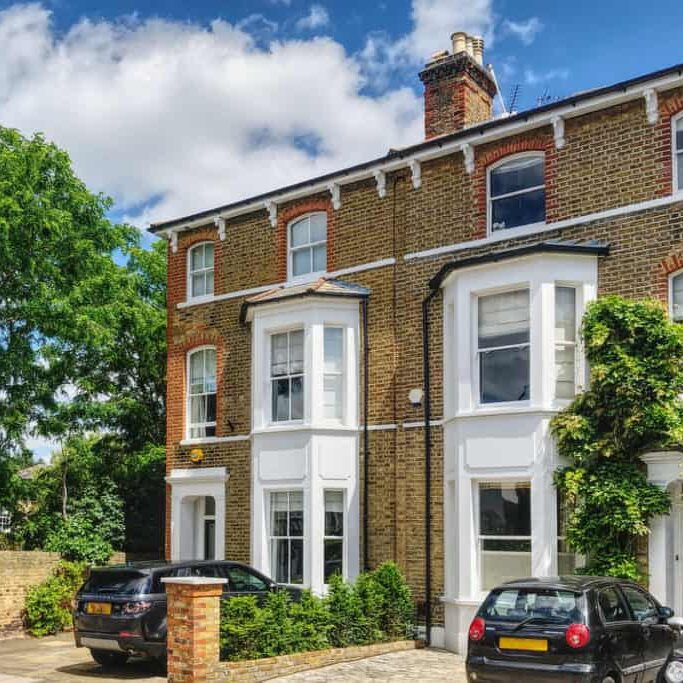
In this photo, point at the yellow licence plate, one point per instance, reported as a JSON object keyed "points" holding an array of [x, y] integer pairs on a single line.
{"points": [[98, 608], [529, 644]]}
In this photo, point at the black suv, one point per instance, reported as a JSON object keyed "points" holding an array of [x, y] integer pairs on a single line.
{"points": [[581, 629], [121, 610]]}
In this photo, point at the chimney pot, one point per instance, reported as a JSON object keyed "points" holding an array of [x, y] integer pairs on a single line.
{"points": [[478, 50], [459, 40]]}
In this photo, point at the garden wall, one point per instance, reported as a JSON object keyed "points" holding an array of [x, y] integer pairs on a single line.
{"points": [[19, 570]]}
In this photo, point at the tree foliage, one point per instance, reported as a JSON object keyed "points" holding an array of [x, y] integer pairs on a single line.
{"points": [[632, 405]]}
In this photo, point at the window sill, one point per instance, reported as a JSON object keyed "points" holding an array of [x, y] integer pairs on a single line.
{"points": [[519, 231], [304, 427], [304, 279], [504, 409], [214, 439]]}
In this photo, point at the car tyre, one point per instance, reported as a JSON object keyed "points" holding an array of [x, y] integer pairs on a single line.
{"points": [[109, 659], [609, 679]]}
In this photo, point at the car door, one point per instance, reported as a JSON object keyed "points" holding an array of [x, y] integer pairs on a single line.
{"points": [[657, 635], [243, 581], [623, 642]]}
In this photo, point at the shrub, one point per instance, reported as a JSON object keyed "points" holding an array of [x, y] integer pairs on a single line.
{"points": [[48, 605], [377, 607]]}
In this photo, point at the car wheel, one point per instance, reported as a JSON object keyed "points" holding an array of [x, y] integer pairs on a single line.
{"points": [[109, 659], [608, 679]]}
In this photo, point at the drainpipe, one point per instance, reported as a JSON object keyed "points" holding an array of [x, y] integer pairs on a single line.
{"points": [[366, 433], [428, 462]]}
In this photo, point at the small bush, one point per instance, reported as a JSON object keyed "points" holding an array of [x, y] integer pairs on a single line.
{"points": [[377, 607], [49, 604]]}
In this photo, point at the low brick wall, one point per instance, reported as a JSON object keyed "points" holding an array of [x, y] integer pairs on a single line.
{"points": [[255, 670], [19, 570]]}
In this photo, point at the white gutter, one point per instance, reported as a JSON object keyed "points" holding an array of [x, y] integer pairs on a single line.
{"points": [[462, 144]]}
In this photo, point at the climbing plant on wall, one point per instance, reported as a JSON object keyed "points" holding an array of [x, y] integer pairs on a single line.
{"points": [[632, 405]]}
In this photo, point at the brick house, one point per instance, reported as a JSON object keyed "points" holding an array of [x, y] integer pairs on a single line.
{"points": [[304, 435]]}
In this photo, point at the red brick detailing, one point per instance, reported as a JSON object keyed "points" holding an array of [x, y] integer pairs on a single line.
{"points": [[668, 109], [293, 210], [671, 264], [541, 143]]}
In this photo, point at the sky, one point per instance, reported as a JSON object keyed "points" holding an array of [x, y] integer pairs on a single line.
{"points": [[174, 107]]}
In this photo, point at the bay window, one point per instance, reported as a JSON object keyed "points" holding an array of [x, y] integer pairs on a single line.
{"points": [[503, 347], [200, 270], [333, 541], [287, 376], [565, 342], [287, 536], [504, 532], [517, 193], [333, 375], [678, 153], [308, 245], [202, 393]]}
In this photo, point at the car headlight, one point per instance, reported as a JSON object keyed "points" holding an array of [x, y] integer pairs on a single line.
{"points": [[674, 672]]}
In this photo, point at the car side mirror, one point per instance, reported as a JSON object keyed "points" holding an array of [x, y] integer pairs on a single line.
{"points": [[665, 613], [675, 622]]}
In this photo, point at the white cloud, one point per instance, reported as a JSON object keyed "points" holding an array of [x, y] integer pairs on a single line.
{"points": [[533, 77], [317, 17], [171, 117], [526, 31]]}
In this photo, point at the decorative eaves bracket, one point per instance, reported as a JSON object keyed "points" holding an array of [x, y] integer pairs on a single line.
{"points": [[651, 105], [381, 180], [558, 131], [416, 173], [174, 241], [271, 208], [468, 156], [220, 224], [335, 192]]}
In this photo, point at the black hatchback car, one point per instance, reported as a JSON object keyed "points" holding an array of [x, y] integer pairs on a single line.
{"points": [[578, 629], [120, 610]]}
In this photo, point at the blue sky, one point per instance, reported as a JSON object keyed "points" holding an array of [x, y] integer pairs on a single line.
{"points": [[173, 107]]}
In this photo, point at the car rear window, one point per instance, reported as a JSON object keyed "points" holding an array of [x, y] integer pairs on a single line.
{"points": [[119, 583], [514, 605]]}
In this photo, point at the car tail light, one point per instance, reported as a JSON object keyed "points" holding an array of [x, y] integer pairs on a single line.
{"points": [[132, 608], [477, 629], [577, 636]]}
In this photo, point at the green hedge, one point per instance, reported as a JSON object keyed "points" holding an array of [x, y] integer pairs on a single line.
{"points": [[377, 607], [49, 604]]}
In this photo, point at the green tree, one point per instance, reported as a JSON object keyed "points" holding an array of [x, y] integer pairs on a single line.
{"points": [[632, 405]]}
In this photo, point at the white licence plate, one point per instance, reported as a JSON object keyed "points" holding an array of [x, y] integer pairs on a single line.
{"points": [[101, 644]]}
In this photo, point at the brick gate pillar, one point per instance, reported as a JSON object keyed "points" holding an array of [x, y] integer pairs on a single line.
{"points": [[193, 627]]}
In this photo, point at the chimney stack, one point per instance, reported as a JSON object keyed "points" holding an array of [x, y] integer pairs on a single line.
{"points": [[459, 91]]}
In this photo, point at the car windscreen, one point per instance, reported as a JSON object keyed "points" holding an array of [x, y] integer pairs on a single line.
{"points": [[534, 605], [116, 583]]}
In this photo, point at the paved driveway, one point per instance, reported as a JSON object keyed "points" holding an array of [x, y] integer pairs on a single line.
{"points": [[56, 659], [28, 660]]}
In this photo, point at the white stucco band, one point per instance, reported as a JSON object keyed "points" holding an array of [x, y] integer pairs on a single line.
{"points": [[665, 544], [189, 488], [501, 442]]}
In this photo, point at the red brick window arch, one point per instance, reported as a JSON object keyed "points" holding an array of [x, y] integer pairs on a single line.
{"points": [[677, 151], [516, 192], [202, 392], [200, 270], [307, 245]]}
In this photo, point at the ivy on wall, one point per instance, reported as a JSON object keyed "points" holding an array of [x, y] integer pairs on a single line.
{"points": [[632, 405]]}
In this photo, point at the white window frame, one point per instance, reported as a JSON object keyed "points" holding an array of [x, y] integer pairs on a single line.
{"points": [[190, 272], [336, 538], [489, 199], [577, 324], [290, 250], [479, 538], [270, 537], [476, 367], [188, 396], [303, 374], [209, 518], [674, 154], [341, 374], [672, 277]]}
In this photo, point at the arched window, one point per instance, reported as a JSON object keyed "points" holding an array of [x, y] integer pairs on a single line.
{"points": [[308, 245], [676, 296], [678, 152], [201, 394], [200, 270], [516, 190]]}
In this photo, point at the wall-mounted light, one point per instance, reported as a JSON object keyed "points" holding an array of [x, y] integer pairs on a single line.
{"points": [[415, 397]]}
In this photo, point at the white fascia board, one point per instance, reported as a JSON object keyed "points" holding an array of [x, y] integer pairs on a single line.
{"points": [[482, 137]]}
